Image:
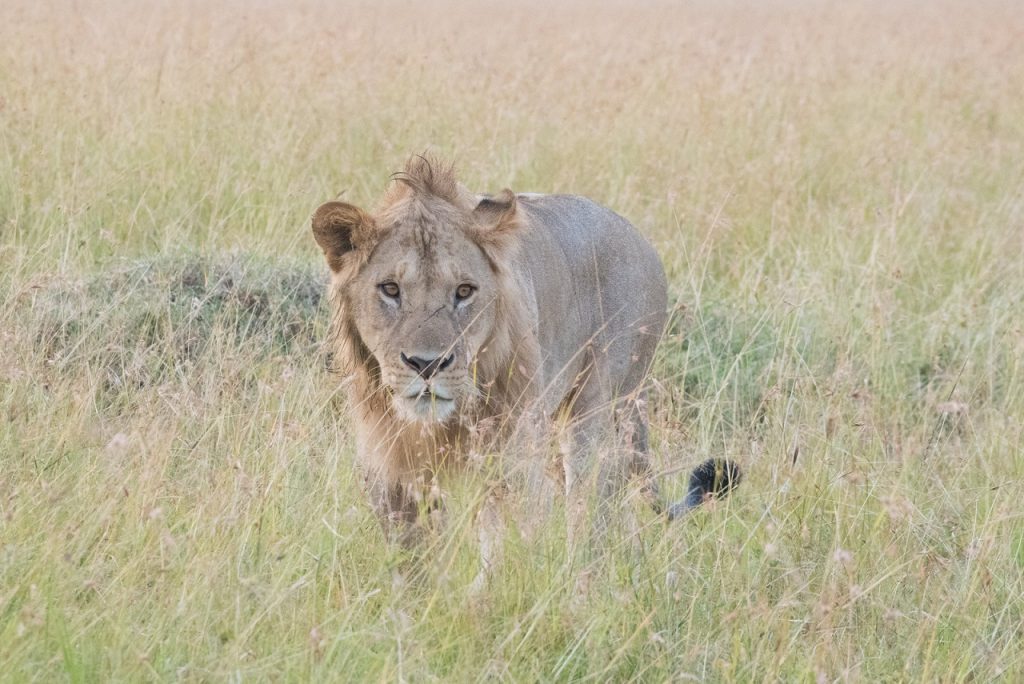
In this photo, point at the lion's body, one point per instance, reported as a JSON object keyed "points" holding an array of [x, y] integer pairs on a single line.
{"points": [[465, 318]]}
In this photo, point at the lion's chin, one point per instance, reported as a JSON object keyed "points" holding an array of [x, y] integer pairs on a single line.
{"points": [[424, 409]]}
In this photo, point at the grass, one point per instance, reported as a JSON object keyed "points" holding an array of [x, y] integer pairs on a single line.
{"points": [[837, 192]]}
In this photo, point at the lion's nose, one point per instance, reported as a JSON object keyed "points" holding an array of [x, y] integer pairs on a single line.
{"points": [[427, 368]]}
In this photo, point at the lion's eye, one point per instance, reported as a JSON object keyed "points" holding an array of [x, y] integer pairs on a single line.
{"points": [[464, 292], [389, 289]]}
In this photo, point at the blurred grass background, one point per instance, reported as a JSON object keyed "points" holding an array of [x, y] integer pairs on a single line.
{"points": [[837, 192]]}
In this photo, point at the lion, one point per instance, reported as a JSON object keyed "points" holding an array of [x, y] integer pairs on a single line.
{"points": [[463, 319]]}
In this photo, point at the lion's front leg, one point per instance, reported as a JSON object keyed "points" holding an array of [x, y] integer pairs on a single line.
{"points": [[491, 530], [522, 490], [396, 508]]}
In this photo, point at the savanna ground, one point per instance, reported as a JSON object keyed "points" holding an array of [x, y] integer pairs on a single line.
{"points": [[837, 192]]}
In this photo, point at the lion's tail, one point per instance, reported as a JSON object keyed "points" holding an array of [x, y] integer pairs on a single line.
{"points": [[713, 478]]}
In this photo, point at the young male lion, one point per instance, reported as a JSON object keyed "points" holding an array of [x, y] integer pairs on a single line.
{"points": [[463, 318]]}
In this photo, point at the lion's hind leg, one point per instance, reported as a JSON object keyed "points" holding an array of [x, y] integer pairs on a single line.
{"points": [[596, 468], [632, 424]]}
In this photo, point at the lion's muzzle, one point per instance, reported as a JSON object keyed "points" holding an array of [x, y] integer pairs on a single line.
{"points": [[427, 396]]}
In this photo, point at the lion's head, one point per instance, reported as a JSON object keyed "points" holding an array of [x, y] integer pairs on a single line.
{"points": [[421, 296]]}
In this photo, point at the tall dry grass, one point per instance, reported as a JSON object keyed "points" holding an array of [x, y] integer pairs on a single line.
{"points": [[836, 192]]}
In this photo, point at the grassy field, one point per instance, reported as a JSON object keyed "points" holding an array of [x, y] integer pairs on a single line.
{"points": [[837, 192]]}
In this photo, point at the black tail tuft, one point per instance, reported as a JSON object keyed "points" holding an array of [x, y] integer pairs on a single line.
{"points": [[714, 477]]}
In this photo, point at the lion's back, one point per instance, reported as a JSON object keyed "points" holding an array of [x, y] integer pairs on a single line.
{"points": [[598, 283]]}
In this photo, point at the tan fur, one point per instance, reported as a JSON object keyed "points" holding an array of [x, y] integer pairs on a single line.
{"points": [[568, 307]]}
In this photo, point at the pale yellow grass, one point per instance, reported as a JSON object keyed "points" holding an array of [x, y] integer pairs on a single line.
{"points": [[837, 191]]}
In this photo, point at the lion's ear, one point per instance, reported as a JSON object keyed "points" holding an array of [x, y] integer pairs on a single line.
{"points": [[498, 225], [339, 229]]}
